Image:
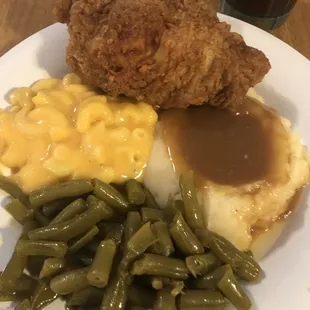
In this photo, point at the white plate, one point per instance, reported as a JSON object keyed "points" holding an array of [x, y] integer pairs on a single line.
{"points": [[286, 88]]}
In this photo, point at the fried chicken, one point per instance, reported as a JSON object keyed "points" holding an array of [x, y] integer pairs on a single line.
{"points": [[169, 53]]}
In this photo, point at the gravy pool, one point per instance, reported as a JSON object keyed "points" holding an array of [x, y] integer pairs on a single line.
{"points": [[227, 148]]}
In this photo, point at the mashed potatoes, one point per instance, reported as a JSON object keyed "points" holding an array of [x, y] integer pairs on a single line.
{"points": [[235, 211]]}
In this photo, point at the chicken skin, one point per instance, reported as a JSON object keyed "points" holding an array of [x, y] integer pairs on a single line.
{"points": [[168, 53]]}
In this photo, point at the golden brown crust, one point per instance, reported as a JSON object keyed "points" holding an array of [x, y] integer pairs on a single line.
{"points": [[62, 10], [169, 53]]}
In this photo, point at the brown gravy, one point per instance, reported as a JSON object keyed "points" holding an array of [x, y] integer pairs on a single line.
{"points": [[262, 227], [227, 148]]}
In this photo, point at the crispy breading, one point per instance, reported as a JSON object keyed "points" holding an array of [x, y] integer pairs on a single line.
{"points": [[169, 53]]}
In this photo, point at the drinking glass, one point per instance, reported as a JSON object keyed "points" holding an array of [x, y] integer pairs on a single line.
{"points": [[266, 14]]}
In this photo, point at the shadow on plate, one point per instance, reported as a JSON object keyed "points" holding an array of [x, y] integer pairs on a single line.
{"points": [[51, 55], [7, 100], [282, 105], [246, 288]]}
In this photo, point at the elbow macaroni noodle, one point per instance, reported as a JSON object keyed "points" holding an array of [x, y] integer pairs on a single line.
{"points": [[61, 129]]}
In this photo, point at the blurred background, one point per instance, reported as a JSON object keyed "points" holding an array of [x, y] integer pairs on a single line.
{"points": [[21, 18], [266, 14]]}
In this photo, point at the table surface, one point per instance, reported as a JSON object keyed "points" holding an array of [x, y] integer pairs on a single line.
{"points": [[19, 19]]}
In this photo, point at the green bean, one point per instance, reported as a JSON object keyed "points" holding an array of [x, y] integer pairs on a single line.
{"points": [[79, 243], [99, 272], [150, 201], [76, 207], [51, 267], [111, 196], [139, 242], [220, 307], [132, 224], [192, 209], [178, 205], [116, 234], [184, 238], [152, 215], [199, 298], [249, 253], [172, 208], [18, 210], [42, 296], [157, 283], [243, 265], [233, 291], [28, 226], [176, 287], [164, 245], [89, 296], [25, 285], [141, 296], [135, 307], [51, 209], [115, 296], [40, 218], [165, 301], [201, 264], [135, 192], [35, 264], [41, 248], [16, 265], [85, 257], [157, 265], [24, 305], [67, 230], [61, 190], [210, 280], [93, 200], [13, 189], [12, 272], [7, 296], [116, 218], [70, 281], [167, 281]]}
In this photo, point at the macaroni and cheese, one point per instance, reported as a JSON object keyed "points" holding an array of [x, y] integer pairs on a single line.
{"points": [[61, 129]]}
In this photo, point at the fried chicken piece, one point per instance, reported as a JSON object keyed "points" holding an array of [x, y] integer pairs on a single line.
{"points": [[169, 53]]}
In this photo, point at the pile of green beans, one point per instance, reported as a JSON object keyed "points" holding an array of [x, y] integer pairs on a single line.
{"points": [[99, 247]]}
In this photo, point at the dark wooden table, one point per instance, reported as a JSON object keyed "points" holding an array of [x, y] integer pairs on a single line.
{"points": [[21, 18]]}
